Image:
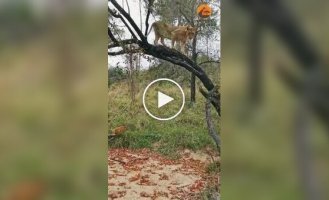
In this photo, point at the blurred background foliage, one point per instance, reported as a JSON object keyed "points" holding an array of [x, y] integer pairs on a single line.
{"points": [[18, 21], [259, 154], [53, 105]]}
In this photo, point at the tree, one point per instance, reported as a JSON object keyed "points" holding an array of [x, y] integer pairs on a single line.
{"points": [[312, 87], [140, 44], [184, 12]]}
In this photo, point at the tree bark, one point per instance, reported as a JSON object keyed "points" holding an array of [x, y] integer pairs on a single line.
{"points": [[193, 99], [194, 59], [210, 124]]}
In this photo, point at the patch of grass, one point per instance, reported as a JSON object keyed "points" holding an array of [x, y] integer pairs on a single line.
{"points": [[187, 131], [134, 141], [210, 192], [213, 167]]}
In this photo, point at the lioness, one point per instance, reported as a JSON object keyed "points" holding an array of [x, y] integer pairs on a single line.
{"points": [[181, 36], [162, 30]]}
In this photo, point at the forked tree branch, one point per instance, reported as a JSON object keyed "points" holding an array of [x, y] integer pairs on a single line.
{"points": [[149, 10], [111, 36], [122, 43], [130, 20], [124, 21]]}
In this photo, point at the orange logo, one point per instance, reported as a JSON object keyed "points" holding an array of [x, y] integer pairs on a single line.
{"points": [[204, 10]]}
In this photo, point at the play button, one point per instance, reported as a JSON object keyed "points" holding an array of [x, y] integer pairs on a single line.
{"points": [[163, 99]]}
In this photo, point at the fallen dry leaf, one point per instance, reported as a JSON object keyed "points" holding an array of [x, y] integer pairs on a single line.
{"points": [[135, 178]]}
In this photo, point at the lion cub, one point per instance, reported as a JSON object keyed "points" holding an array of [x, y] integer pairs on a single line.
{"points": [[181, 36], [119, 130]]}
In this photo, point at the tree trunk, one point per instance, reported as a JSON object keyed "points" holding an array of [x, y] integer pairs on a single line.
{"points": [[131, 79], [210, 124], [207, 40], [194, 59], [192, 88]]}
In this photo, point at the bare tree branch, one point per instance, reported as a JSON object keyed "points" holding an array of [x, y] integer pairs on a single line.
{"points": [[110, 34], [124, 21], [318, 99], [185, 16], [214, 100], [128, 7], [122, 43], [209, 61], [125, 51], [130, 20], [149, 9], [211, 127], [286, 27]]}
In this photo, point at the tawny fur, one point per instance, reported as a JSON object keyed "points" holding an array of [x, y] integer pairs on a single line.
{"points": [[119, 130], [28, 190], [181, 36], [162, 31]]}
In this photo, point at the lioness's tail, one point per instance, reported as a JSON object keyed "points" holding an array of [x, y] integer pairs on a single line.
{"points": [[150, 29]]}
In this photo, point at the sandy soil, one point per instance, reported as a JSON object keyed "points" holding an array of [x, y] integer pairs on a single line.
{"points": [[142, 174]]}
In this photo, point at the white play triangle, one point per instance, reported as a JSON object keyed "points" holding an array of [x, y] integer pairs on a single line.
{"points": [[163, 99]]}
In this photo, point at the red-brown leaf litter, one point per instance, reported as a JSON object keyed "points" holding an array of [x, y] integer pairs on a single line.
{"points": [[144, 174]]}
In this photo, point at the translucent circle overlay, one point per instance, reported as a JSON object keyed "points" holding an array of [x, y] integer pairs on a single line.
{"points": [[168, 118]]}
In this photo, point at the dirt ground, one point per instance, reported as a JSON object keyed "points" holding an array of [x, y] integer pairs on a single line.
{"points": [[142, 174]]}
